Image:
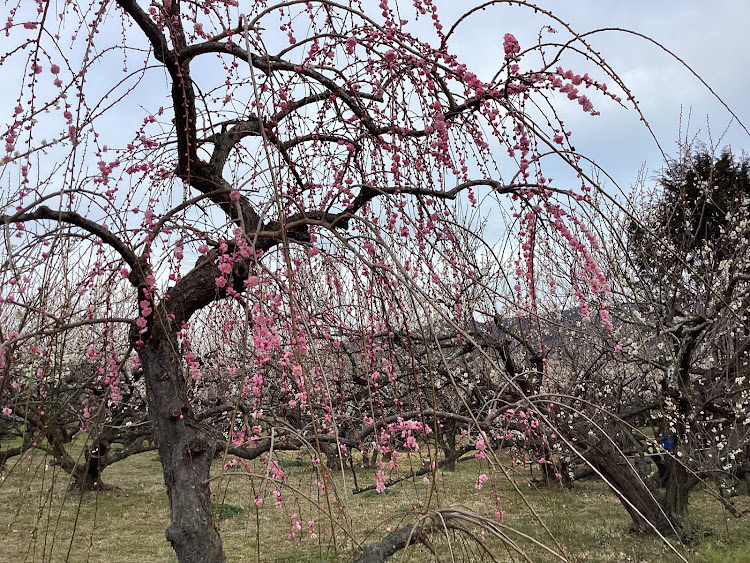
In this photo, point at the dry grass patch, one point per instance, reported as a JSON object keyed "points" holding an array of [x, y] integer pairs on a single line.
{"points": [[126, 524]]}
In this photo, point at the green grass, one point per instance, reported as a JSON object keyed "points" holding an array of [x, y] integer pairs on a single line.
{"points": [[227, 511], [41, 521]]}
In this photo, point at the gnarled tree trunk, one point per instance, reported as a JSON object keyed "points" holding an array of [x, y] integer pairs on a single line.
{"points": [[185, 450], [89, 475], [643, 502], [447, 441], [678, 484]]}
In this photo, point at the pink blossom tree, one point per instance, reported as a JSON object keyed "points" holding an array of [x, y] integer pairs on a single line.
{"points": [[258, 189]]}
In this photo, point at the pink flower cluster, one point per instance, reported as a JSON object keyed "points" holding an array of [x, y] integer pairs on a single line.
{"points": [[511, 47], [481, 480]]}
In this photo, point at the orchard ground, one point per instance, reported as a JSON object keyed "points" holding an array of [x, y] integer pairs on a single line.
{"points": [[126, 522]]}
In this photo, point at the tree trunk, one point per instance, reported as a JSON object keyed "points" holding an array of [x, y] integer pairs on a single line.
{"points": [[644, 505], [447, 440], [334, 460], [552, 471], [678, 484], [5, 455], [88, 476], [185, 450]]}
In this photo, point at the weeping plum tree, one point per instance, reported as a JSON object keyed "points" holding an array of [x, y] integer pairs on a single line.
{"points": [[259, 188]]}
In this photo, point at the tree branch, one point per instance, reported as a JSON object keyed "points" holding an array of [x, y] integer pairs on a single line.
{"points": [[394, 542], [73, 218]]}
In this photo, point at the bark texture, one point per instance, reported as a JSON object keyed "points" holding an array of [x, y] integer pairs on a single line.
{"points": [[644, 505], [185, 450], [390, 545]]}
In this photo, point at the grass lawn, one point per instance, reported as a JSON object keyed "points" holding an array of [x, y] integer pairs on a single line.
{"points": [[39, 521]]}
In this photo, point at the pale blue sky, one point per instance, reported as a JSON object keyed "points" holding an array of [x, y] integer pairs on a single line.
{"points": [[712, 37]]}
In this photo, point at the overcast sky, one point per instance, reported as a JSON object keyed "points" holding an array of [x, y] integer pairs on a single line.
{"points": [[713, 37]]}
